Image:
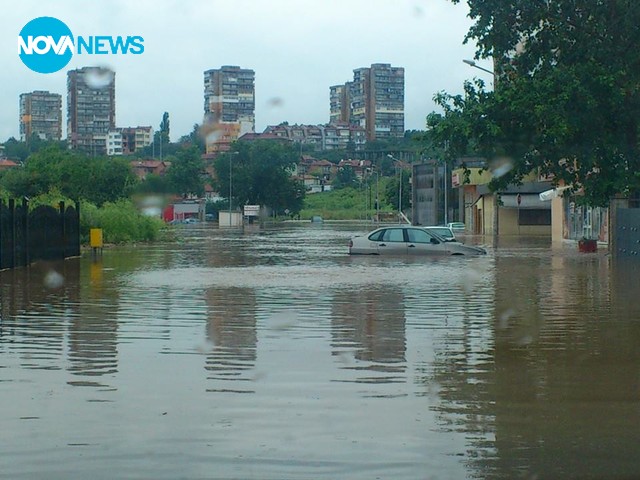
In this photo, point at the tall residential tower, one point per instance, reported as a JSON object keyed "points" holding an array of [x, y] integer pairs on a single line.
{"points": [[374, 100], [91, 108], [229, 105], [40, 114]]}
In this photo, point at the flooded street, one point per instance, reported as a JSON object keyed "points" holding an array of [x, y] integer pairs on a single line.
{"points": [[272, 354]]}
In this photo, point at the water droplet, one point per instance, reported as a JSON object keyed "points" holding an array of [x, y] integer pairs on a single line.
{"points": [[503, 319], [275, 102], [99, 77], [501, 166], [53, 280]]}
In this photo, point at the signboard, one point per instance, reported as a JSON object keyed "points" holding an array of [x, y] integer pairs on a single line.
{"points": [[455, 179], [252, 210]]}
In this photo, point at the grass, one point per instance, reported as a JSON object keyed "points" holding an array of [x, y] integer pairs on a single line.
{"points": [[343, 204]]}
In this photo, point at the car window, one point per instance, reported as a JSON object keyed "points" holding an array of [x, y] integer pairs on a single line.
{"points": [[377, 236], [418, 236], [393, 235], [443, 232]]}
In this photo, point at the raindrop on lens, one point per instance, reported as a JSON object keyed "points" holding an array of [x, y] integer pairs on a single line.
{"points": [[501, 166], [275, 102], [99, 78], [53, 280]]}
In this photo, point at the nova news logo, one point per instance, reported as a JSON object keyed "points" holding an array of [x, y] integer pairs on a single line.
{"points": [[46, 45]]}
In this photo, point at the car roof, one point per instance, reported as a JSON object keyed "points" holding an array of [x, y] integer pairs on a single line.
{"points": [[414, 227]]}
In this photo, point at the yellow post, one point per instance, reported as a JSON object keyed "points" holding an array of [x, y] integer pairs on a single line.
{"points": [[95, 240], [95, 237]]}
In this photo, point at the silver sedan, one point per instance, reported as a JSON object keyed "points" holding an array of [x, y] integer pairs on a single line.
{"points": [[406, 240]]}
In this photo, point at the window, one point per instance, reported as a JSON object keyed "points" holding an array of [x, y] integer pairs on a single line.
{"points": [[416, 235], [393, 235], [377, 237]]}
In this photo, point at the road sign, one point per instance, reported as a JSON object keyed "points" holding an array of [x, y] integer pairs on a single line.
{"points": [[252, 210]]}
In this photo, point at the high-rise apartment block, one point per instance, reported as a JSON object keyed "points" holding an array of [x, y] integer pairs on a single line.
{"points": [[41, 114], [91, 108], [374, 100], [229, 105]]}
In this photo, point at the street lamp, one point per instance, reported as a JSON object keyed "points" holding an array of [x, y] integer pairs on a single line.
{"points": [[230, 154], [399, 186], [475, 65]]}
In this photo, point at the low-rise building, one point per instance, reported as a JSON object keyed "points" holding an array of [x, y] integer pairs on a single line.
{"points": [[142, 168], [321, 137], [128, 140]]}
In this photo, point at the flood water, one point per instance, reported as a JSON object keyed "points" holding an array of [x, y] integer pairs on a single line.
{"points": [[272, 354]]}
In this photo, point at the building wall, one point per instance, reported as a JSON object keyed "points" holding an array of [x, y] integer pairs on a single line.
{"points": [[91, 108], [425, 194], [374, 100], [508, 224], [558, 228], [41, 114], [229, 98], [507, 220]]}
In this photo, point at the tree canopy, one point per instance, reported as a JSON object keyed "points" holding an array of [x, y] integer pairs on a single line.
{"points": [[566, 94], [186, 175], [257, 173], [76, 176]]}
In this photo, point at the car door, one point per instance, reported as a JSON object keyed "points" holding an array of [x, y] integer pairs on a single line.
{"points": [[421, 242], [392, 242]]}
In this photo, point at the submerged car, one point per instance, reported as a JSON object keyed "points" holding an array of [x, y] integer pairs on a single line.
{"points": [[407, 240], [456, 226], [444, 232]]}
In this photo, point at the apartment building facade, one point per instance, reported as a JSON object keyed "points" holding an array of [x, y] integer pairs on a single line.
{"points": [[321, 137], [91, 108], [128, 140], [41, 114], [229, 106], [374, 100]]}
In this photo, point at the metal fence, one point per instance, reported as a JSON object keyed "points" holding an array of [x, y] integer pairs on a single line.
{"points": [[627, 233], [44, 233]]}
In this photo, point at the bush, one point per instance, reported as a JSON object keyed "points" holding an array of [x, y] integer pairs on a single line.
{"points": [[120, 221]]}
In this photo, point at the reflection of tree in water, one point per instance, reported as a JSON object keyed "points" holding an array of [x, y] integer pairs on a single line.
{"points": [[371, 323], [231, 329], [554, 394], [34, 304]]}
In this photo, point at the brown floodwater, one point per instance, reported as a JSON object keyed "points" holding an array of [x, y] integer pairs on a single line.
{"points": [[272, 354]]}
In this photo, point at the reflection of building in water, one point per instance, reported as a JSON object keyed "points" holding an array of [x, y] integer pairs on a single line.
{"points": [[231, 329], [556, 393], [93, 331], [371, 323], [34, 305]]}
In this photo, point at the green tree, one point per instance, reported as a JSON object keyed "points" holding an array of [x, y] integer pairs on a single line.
{"points": [[257, 173], [77, 176], [186, 174], [194, 138], [392, 191], [345, 177], [566, 95]]}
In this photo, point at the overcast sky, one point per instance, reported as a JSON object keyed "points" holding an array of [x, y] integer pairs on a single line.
{"points": [[298, 48]]}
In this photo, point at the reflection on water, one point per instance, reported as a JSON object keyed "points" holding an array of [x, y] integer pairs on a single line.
{"points": [[231, 332], [272, 354], [371, 323]]}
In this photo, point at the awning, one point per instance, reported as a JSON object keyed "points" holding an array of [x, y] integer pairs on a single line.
{"points": [[553, 193]]}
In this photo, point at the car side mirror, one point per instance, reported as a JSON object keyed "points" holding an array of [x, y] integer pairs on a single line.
{"points": [[434, 241]]}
